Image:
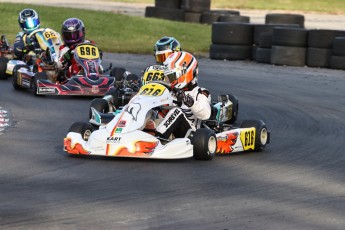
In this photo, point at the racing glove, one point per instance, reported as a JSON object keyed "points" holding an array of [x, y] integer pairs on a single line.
{"points": [[186, 99]]}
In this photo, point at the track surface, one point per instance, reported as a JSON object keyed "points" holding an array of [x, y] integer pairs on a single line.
{"points": [[296, 183]]}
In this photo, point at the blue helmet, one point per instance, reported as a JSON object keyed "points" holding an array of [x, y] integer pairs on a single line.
{"points": [[164, 47], [29, 20]]}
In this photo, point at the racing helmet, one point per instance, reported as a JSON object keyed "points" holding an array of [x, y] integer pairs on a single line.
{"points": [[181, 68], [73, 31], [28, 20], [164, 47]]}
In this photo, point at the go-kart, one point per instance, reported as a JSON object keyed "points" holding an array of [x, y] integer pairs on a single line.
{"points": [[90, 80], [126, 134], [6, 53], [40, 61]]}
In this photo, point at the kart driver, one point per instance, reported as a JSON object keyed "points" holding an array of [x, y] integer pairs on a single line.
{"points": [[73, 34], [194, 102], [29, 21]]}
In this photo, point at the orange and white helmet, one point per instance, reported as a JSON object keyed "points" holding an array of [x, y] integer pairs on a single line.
{"points": [[181, 68]]}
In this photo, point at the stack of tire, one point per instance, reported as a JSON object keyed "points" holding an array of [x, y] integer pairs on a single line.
{"points": [[337, 60], [211, 16], [166, 9], [263, 36], [194, 9], [325, 49], [288, 43], [231, 41]]}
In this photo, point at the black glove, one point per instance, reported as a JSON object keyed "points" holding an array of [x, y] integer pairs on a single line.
{"points": [[67, 56], [186, 99]]}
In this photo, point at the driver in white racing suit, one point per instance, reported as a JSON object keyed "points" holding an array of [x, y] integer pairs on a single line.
{"points": [[194, 102]]}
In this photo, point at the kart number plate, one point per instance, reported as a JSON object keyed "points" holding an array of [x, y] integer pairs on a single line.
{"points": [[153, 75], [49, 34], [87, 51], [248, 138], [152, 90]]}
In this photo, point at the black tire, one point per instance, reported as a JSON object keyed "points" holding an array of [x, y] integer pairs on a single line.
{"points": [[193, 17], [337, 62], [15, 84], [115, 94], [174, 4], [265, 40], [100, 104], [268, 28], [3, 67], [164, 13], [318, 57], [263, 55], [232, 33], [234, 18], [230, 52], [83, 128], [234, 113], [204, 143], [285, 19], [285, 36], [323, 38], [38, 76], [196, 5], [118, 73], [262, 134], [290, 56], [338, 46]]}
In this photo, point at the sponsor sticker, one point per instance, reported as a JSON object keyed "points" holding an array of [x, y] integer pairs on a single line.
{"points": [[113, 140], [46, 90], [118, 130]]}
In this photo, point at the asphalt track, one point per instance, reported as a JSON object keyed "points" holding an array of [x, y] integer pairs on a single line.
{"points": [[296, 183]]}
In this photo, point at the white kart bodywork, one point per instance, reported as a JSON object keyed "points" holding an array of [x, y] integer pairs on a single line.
{"points": [[123, 136]]}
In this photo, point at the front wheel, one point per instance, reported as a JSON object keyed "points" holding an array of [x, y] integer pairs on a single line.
{"points": [[99, 104], [262, 134], [204, 144], [38, 76], [83, 128], [16, 85]]}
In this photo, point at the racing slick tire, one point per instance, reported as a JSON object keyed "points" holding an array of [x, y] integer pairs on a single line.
{"points": [[83, 128], [115, 94], [38, 76], [262, 134], [204, 144], [234, 114], [15, 84], [99, 104], [3, 67]]}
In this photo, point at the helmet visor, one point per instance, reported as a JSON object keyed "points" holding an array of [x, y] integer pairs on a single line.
{"points": [[171, 76], [31, 24], [72, 36], [162, 56]]}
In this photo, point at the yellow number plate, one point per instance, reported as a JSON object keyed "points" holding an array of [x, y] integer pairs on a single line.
{"points": [[50, 34], [153, 75], [86, 51], [152, 90], [248, 138]]}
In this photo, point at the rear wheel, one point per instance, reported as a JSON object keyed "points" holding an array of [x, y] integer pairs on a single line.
{"points": [[99, 104], [204, 144], [15, 76], [261, 136], [3, 67], [83, 128]]}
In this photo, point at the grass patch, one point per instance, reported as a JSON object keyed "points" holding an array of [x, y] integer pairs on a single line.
{"points": [[113, 32]]}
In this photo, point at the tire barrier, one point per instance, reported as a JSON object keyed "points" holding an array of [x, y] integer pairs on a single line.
{"points": [[285, 19], [279, 44], [165, 13], [208, 17], [174, 4]]}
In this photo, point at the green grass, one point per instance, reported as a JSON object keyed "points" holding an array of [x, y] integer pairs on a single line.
{"points": [[113, 32], [330, 6]]}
